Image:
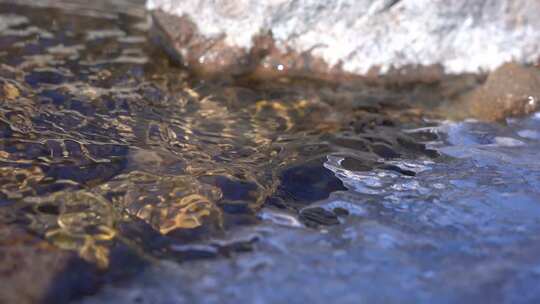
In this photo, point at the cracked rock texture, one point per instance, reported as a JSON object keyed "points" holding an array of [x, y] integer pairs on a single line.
{"points": [[349, 37]]}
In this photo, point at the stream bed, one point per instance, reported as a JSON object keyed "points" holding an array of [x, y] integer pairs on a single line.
{"points": [[461, 231], [126, 179]]}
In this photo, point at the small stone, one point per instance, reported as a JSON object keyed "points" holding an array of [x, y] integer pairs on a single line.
{"points": [[385, 151], [340, 211], [316, 216], [10, 91]]}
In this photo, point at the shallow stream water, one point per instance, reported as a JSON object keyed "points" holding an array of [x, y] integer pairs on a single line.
{"points": [[182, 190]]}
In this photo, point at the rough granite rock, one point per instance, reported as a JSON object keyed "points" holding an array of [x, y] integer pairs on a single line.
{"points": [[348, 37]]}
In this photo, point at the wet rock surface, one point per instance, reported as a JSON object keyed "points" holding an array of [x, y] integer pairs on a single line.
{"points": [[336, 38], [34, 271], [124, 178], [511, 90], [462, 230], [118, 161]]}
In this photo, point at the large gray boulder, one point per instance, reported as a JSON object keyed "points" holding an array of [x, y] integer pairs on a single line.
{"points": [[349, 37]]}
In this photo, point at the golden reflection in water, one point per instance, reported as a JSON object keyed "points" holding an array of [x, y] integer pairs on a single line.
{"points": [[91, 139], [165, 202]]}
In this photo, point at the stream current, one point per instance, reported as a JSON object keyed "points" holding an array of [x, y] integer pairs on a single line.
{"points": [[226, 190]]}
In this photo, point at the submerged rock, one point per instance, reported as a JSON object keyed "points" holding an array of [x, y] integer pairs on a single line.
{"points": [[34, 271], [348, 37], [10, 91]]}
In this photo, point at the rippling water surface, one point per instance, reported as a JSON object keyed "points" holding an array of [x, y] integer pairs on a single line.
{"points": [[113, 153]]}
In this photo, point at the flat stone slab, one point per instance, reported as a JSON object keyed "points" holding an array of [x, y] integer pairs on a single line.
{"points": [[348, 37]]}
